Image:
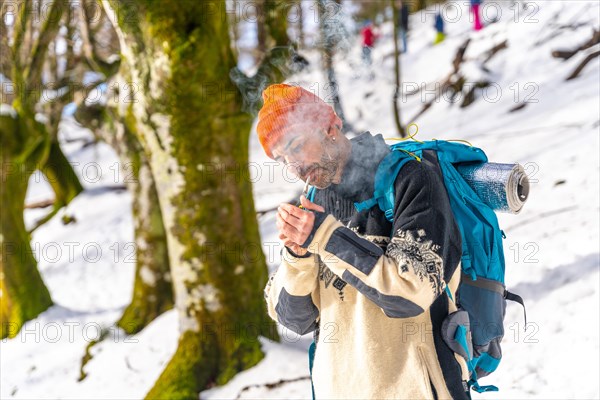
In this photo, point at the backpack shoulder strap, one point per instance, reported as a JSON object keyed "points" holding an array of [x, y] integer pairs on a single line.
{"points": [[385, 177]]}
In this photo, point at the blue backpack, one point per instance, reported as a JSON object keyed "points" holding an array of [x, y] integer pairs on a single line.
{"points": [[476, 329]]}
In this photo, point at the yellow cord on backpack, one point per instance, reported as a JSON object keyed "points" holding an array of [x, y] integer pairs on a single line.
{"points": [[418, 141], [409, 137]]}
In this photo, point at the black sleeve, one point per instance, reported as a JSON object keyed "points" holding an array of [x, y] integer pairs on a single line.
{"points": [[423, 218]]}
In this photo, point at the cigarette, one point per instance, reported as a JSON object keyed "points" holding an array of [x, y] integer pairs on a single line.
{"points": [[305, 190]]}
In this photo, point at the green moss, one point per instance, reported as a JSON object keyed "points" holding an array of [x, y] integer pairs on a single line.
{"points": [[208, 128], [24, 295], [276, 21], [148, 302], [242, 355], [190, 370]]}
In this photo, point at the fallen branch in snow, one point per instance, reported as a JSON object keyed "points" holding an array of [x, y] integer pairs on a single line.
{"points": [[86, 141], [456, 81], [518, 107], [40, 204], [459, 57], [494, 50], [582, 65], [273, 385], [566, 54], [449, 81], [458, 60]]}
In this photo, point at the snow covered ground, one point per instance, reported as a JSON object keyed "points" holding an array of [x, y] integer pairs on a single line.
{"points": [[552, 247]]}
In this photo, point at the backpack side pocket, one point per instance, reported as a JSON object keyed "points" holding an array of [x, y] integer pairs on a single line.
{"points": [[485, 301], [454, 326]]}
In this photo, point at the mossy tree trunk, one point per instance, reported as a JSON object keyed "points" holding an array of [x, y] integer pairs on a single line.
{"points": [[152, 289], [24, 146], [395, 105], [23, 295], [300, 16], [271, 24], [261, 28], [32, 66], [188, 118], [276, 21]]}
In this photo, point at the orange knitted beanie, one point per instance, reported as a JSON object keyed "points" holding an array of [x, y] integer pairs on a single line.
{"points": [[291, 109]]}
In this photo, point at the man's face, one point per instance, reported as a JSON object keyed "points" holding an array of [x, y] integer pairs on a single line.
{"points": [[310, 155]]}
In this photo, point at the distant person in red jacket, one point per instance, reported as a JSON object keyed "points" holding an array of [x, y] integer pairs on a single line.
{"points": [[368, 40]]}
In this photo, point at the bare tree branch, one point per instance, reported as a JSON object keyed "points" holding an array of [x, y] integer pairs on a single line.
{"points": [[33, 71], [5, 52], [89, 46], [20, 26], [582, 65], [566, 54]]}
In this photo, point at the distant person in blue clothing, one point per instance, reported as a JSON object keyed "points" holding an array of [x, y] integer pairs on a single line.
{"points": [[403, 25], [439, 27], [475, 5]]}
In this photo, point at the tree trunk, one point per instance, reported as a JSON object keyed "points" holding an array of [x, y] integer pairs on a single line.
{"points": [[189, 122], [24, 146], [152, 289], [395, 104], [301, 39], [276, 14], [23, 295], [327, 57], [261, 27]]}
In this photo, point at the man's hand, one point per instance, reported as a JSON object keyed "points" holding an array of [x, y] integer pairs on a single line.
{"points": [[295, 248], [296, 224]]}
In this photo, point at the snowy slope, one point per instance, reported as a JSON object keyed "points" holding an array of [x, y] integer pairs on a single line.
{"points": [[552, 247]]}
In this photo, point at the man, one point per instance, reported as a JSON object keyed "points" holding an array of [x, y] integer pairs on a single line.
{"points": [[403, 24], [439, 29], [368, 41], [475, 4], [376, 305]]}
